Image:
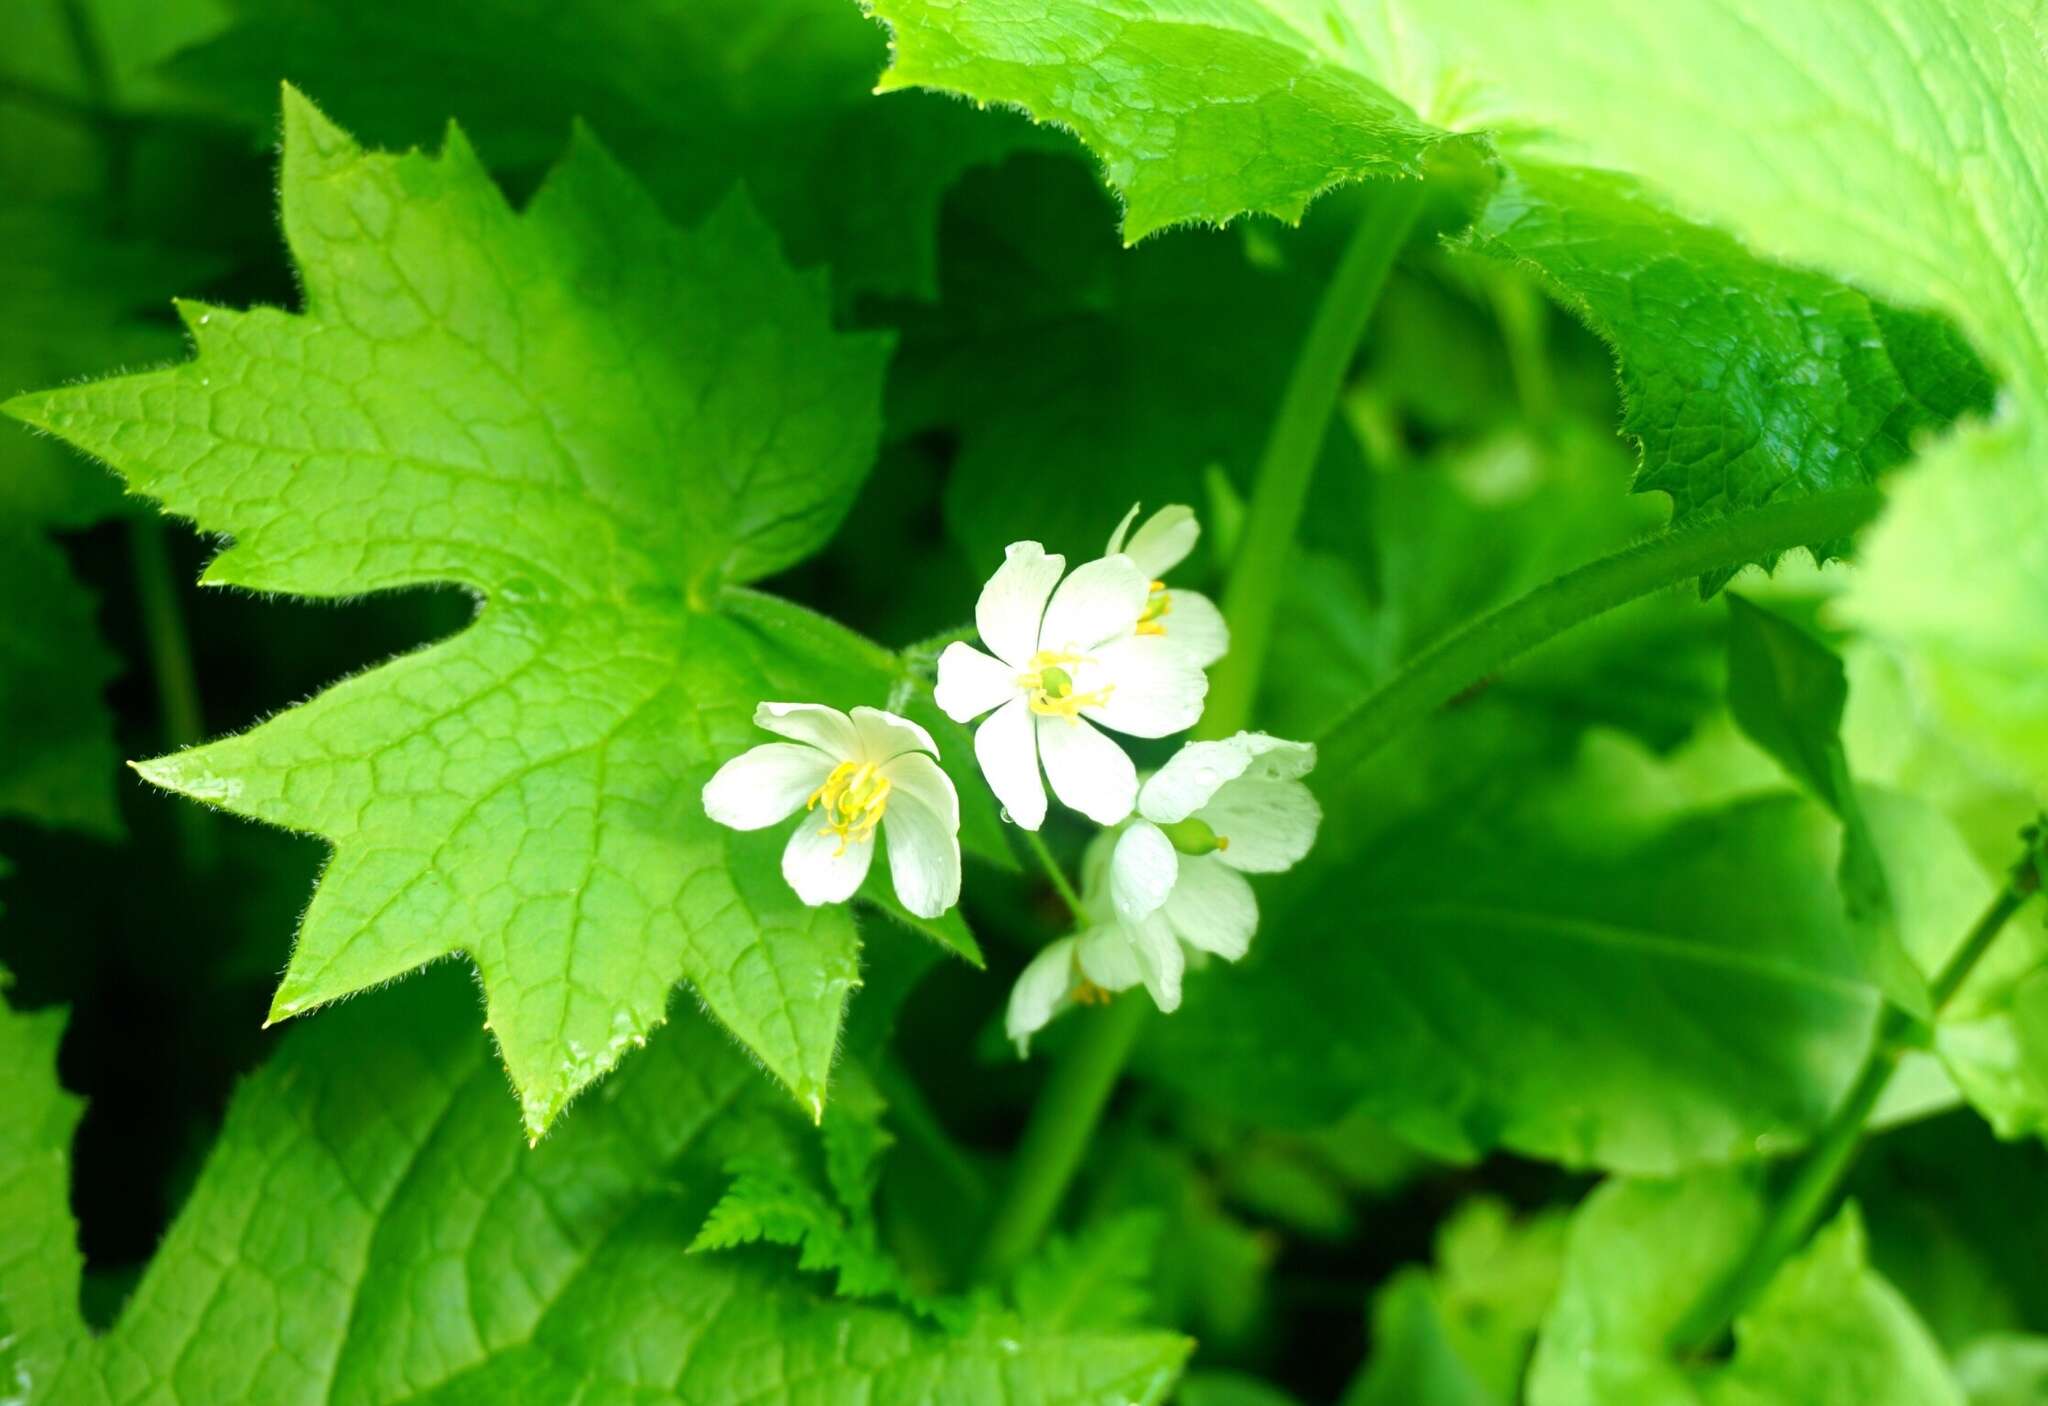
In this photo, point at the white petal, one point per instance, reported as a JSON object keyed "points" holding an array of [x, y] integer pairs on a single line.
{"points": [[1159, 690], [916, 775], [1107, 959], [1270, 825], [1007, 748], [1142, 871], [1160, 960], [971, 683], [885, 735], [1089, 773], [1277, 759], [1101, 600], [827, 729], [1191, 779], [1195, 626], [820, 867], [1040, 993], [764, 784], [1013, 601], [922, 829], [1123, 530], [1213, 907], [1164, 541]]}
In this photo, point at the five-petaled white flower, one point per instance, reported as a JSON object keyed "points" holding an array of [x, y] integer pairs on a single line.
{"points": [[1188, 620], [1059, 667], [852, 776], [1175, 875]]}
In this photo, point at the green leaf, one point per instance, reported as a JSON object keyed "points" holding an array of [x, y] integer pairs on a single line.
{"points": [[1994, 1037], [39, 1266], [1787, 691], [1971, 519], [368, 1230], [2004, 1369], [1460, 1335], [1830, 140], [484, 397], [827, 1213], [1645, 1004], [1745, 383], [1833, 141], [1827, 1328], [774, 94], [1238, 107], [1098, 1278]]}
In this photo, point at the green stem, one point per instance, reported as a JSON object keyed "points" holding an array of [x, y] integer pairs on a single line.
{"points": [[1480, 650], [1062, 1122], [1035, 842], [1819, 1176], [1071, 1104], [1292, 448], [170, 657]]}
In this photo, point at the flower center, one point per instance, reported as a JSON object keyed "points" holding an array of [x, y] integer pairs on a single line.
{"points": [[1087, 993], [854, 796], [1157, 605], [1051, 687]]}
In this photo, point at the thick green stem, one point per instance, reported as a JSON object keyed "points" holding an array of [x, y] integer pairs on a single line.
{"points": [[1819, 1175], [1292, 448], [1069, 1108], [1480, 650], [1062, 1122]]}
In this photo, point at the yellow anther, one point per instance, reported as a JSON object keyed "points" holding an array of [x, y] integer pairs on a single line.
{"points": [[1087, 993], [1157, 606], [1051, 687], [855, 797]]}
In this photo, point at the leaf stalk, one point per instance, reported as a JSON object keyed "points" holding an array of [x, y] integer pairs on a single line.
{"points": [[1819, 1176]]}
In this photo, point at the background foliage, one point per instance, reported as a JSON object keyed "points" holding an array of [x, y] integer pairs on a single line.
{"points": [[1662, 1016]]}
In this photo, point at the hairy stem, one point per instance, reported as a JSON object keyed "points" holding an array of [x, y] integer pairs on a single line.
{"points": [[1071, 1104], [1292, 448], [1819, 1175], [1480, 650]]}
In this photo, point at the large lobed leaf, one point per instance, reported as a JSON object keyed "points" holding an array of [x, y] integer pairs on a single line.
{"points": [[598, 424], [1746, 382], [1689, 996], [364, 1232]]}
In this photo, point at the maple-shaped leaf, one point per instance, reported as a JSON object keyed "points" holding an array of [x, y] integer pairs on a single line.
{"points": [[601, 425], [362, 1232]]}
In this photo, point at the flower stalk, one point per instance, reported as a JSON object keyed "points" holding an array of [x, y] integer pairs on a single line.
{"points": [[1071, 1105]]}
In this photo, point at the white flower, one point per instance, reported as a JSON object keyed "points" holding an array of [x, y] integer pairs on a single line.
{"points": [[1055, 669], [852, 776], [1174, 876], [1187, 619]]}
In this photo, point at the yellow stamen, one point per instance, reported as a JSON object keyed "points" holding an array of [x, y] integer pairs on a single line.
{"points": [[1157, 606], [1087, 993], [855, 796], [1052, 688]]}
